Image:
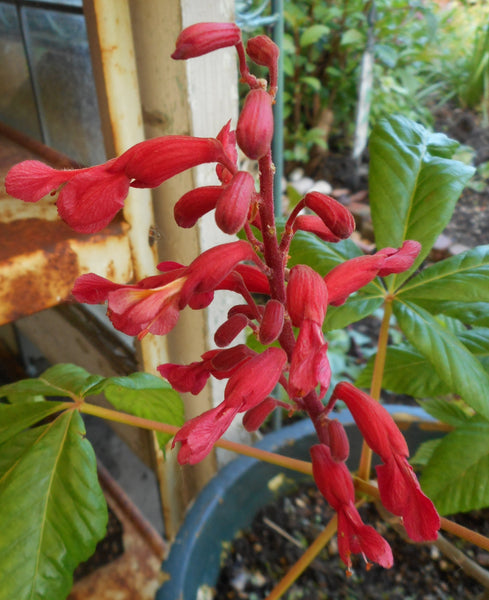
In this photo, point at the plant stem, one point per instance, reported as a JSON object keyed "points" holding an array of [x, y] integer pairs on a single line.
{"points": [[376, 385], [304, 561], [293, 464]]}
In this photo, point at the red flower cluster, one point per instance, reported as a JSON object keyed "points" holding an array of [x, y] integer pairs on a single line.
{"points": [[296, 300]]}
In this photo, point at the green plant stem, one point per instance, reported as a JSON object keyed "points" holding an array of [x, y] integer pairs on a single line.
{"points": [[376, 385], [304, 561], [294, 464]]}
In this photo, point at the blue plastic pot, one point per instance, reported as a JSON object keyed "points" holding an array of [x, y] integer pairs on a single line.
{"points": [[231, 499]]}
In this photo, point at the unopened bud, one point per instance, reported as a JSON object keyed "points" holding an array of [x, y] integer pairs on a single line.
{"points": [[226, 333], [233, 204], [338, 440], [203, 38], [195, 204], [254, 418], [272, 322], [400, 259], [254, 132], [262, 50], [307, 296], [334, 215], [315, 225]]}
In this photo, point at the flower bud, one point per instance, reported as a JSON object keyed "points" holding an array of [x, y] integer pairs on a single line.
{"points": [[254, 132], [272, 322], [228, 141], [226, 333], [254, 418], [262, 51], [338, 440], [307, 296], [233, 204], [195, 204], [314, 225], [203, 38], [335, 216]]}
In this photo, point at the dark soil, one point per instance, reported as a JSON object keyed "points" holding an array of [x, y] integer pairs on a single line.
{"points": [[261, 555]]}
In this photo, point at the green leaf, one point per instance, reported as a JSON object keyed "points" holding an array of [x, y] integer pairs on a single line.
{"points": [[456, 477], [307, 249], [17, 417], [60, 380], [464, 277], [312, 82], [447, 411], [470, 313], [406, 371], [357, 307], [424, 453], [148, 396], [477, 341], [313, 34], [56, 509], [413, 185], [352, 36], [458, 369]]}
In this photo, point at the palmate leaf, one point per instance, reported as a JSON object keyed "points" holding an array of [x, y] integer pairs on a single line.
{"points": [[406, 371], [456, 477], [464, 277], [470, 313], [413, 185], [459, 370], [148, 396], [53, 507], [60, 380]]}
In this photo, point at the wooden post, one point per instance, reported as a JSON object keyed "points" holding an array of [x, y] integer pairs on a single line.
{"points": [[197, 98]]}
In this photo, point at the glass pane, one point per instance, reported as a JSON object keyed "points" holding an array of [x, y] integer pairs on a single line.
{"points": [[78, 3], [63, 80], [17, 105]]}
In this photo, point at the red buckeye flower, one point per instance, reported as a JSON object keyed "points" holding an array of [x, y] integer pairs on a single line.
{"points": [[399, 489], [203, 38], [247, 387], [354, 537], [254, 132], [335, 216]]}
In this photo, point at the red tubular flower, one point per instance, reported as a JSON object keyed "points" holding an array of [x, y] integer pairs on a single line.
{"points": [[247, 387], [272, 322], [150, 163], [254, 132], [350, 276], [353, 274], [31, 180], [250, 276], [399, 489], [186, 378], [332, 433], [314, 225], [335, 484], [309, 365], [233, 204], [198, 435], [253, 381], [335, 216], [88, 201], [195, 204], [307, 296], [203, 38], [400, 260], [209, 269]]}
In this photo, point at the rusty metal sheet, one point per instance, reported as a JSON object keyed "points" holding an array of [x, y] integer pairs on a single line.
{"points": [[136, 575], [40, 256]]}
